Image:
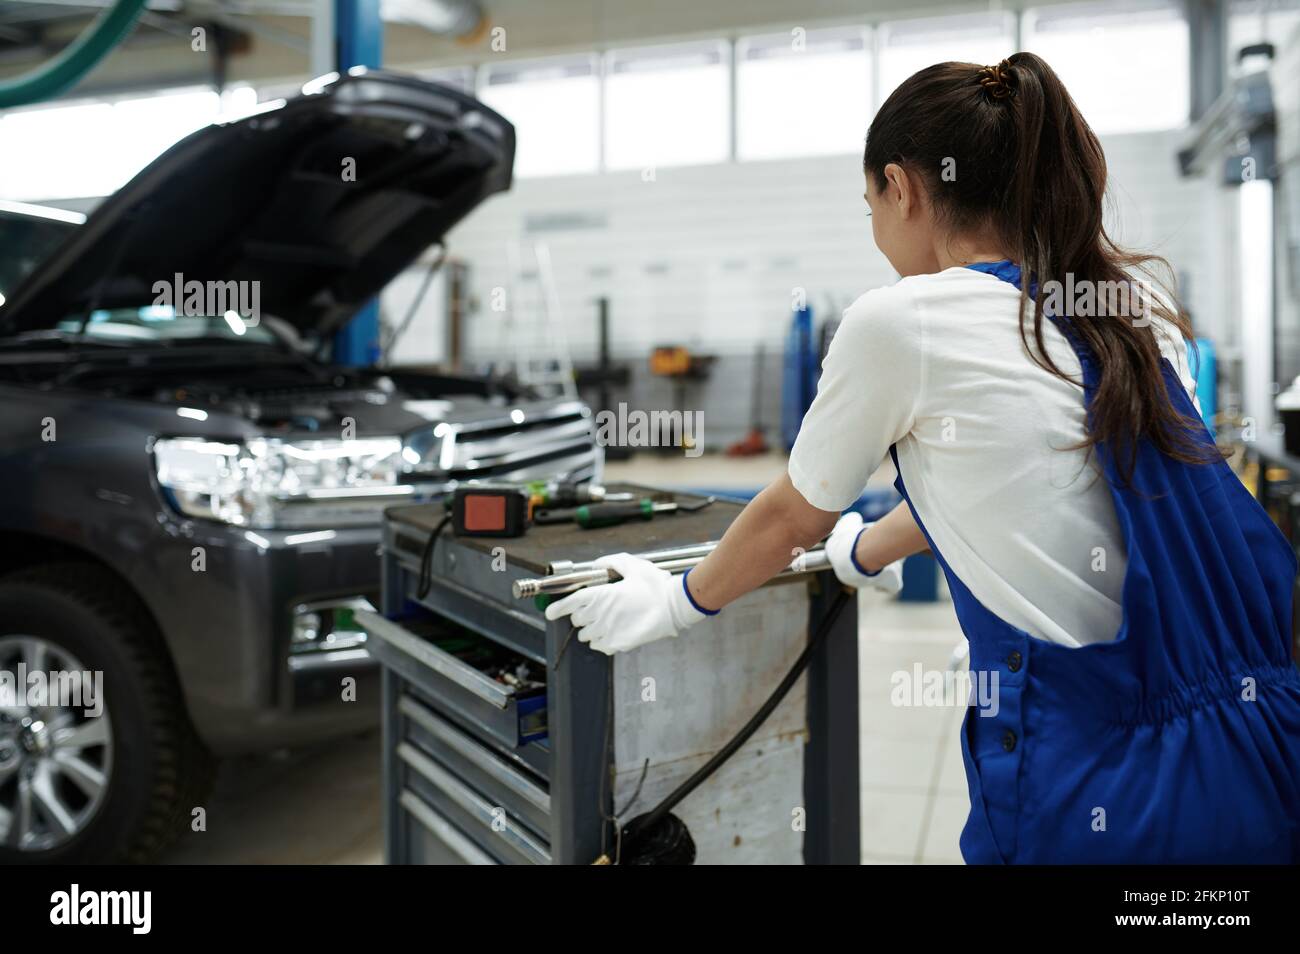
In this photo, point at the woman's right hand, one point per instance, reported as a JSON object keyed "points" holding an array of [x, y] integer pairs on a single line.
{"points": [[842, 547]]}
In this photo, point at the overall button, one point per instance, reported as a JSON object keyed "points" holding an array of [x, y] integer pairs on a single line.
{"points": [[1008, 741], [1014, 660]]}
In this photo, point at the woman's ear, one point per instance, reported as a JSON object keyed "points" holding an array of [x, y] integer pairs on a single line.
{"points": [[899, 189]]}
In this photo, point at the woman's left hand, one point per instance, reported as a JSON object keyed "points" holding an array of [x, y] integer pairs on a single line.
{"points": [[647, 604], [842, 550]]}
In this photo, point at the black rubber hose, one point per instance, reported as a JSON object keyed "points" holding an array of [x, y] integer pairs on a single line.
{"points": [[425, 579], [643, 824]]}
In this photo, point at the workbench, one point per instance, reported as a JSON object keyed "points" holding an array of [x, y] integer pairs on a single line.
{"points": [[476, 771]]}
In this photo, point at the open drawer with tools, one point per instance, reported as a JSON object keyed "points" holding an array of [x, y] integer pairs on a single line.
{"points": [[489, 687]]}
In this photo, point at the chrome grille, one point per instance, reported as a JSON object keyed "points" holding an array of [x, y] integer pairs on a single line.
{"points": [[553, 440]]}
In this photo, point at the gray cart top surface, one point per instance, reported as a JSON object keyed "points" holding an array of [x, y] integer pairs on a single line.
{"points": [[566, 541]]}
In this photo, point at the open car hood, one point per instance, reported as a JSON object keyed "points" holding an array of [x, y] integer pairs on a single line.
{"points": [[269, 199]]}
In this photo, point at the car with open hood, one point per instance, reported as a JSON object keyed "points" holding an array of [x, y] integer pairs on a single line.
{"points": [[190, 491]]}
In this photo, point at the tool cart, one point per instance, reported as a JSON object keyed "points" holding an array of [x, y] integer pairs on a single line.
{"points": [[507, 742]]}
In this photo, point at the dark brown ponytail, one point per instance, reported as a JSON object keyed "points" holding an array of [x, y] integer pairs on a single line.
{"points": [[1028, 166]]}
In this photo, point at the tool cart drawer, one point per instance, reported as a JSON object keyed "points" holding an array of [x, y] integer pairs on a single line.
{"points": [[432, 840], [490, 688], [488, 826], [505, 783]]}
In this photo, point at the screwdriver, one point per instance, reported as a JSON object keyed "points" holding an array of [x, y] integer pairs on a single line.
{"points": [[594, 516]]}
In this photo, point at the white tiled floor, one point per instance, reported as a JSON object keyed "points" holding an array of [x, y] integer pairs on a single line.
{"points": [[913, 786], [707, 470], [710, 470]]}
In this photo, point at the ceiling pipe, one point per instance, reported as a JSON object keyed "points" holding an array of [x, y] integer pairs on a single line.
{"points": [[463, 20], [78, 58]]}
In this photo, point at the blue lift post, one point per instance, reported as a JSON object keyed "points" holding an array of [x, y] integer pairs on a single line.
{"points": [[359, 41]]}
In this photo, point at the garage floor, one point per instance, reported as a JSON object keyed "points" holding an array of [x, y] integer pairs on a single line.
{"points": [[322, 806], [317, 806]]}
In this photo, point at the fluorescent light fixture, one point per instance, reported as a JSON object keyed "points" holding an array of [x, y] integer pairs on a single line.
{"points": [[1255, 288]]}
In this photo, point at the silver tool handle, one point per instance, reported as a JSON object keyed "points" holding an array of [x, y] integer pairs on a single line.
{"points": [[654, 556], [811, 562]]}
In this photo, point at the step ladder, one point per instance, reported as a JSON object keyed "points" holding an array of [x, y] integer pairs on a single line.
{"points": [[535, 324]]}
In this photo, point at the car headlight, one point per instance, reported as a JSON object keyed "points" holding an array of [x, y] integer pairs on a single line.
{"points": [[269, 483]]}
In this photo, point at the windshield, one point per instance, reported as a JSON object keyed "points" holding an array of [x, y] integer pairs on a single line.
{"points": [[29, 235], [159, 323], [25, 242]]}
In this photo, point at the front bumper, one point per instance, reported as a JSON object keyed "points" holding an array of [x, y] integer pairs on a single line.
{"points": [[225, 600]]}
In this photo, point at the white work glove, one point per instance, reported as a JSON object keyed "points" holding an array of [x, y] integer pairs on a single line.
{"points": [[840, 547], [646, 605]]}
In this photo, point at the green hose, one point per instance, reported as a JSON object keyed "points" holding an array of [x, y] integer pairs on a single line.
{"points": [[80, 56]]}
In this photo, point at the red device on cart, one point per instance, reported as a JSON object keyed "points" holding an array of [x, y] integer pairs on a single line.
{"points": [[489, 511]]}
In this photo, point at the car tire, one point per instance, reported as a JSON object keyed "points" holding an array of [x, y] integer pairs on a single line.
{"points": [[157, 771]]}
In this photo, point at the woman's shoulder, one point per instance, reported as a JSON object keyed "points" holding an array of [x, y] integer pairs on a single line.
{"points": [[883, 304], [900, 296], [905, 304], [884, 320]]}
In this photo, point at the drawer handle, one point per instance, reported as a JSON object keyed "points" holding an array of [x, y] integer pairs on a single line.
{"points": [[480, 755], [473, 803], [443, 830], [445, 664]]}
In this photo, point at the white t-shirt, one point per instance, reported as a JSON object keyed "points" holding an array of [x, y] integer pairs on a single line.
{"points": [[935, 365]]}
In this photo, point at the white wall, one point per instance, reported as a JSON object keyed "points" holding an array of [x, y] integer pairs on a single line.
{"points": [[709, 255]]}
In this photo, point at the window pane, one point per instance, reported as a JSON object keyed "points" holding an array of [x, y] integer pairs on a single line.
{"points": [[554, 107], [1261, 21], [667, 106], [802, 94], [911, 45], [92, 149], [1126, 66], [146, 127]]}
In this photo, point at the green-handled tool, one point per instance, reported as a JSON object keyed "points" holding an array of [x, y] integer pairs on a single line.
{"points": [[611, 514], [594, 516]]}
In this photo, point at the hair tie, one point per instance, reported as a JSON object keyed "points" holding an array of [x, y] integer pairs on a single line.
{"points": [[996, 80]]}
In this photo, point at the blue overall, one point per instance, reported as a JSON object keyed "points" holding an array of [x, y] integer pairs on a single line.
{"points": [[1180, 740]]}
